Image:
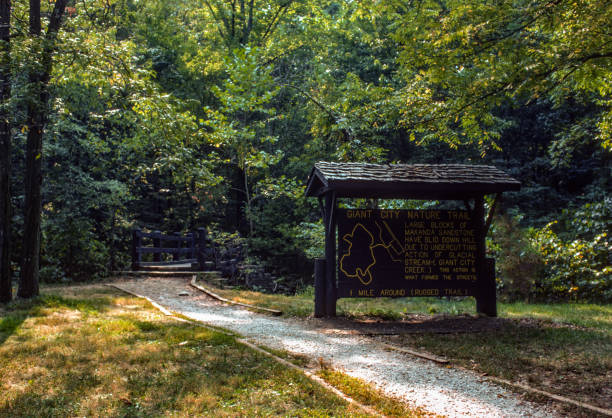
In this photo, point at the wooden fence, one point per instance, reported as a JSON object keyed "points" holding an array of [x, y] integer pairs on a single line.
{"points": [[184, 249]]}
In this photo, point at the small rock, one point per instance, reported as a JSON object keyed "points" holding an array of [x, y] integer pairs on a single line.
{"points": [[184, 293]]}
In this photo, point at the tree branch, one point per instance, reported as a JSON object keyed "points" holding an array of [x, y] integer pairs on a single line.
{"points": [[275, 18], [315, 101], [285, 53], [488, 43], [222, 20]]}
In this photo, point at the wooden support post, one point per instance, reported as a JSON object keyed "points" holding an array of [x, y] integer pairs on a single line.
{"points": [[135, 246], [320, 270], [330, 254], [157, 244], [201, 254], [485, 303], [489, 291], [192, 243]]}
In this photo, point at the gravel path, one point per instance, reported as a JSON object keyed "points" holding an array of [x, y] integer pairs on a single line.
{"points": [[444, 391]]}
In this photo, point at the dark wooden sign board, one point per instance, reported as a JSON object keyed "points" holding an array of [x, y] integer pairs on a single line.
{"points": [[397, 253]]}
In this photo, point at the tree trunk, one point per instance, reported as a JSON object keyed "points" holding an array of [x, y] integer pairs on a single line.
{"points": [[248, 207], [36, 119], [28, 284], [28, 278], [6, 293]]}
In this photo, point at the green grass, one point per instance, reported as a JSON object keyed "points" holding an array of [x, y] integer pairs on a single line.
{"points": [[92, 351], [579, 314]]}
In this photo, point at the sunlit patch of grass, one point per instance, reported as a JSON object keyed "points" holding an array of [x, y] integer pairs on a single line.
{"points": [[297, 359], [91, 352], [579, 314], [398, 308], [299, 305], [366, 395]]}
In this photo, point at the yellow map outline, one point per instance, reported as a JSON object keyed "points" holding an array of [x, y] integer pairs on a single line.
{"points": [[386, 247], [364, 275]]}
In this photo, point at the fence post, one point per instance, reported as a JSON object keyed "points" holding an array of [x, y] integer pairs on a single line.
{"points": [[135, 248], [202, 236], [157, 243], [190, 245], [178, 244]]}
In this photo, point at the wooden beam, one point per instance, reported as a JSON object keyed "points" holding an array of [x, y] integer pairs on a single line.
{"points": [[323, 191], [169, 250], [320, 271], [486, 302], [330, 254], [486, 299], [420, 354]]}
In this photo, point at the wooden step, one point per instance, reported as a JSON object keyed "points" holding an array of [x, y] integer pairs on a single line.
{"points": [[140, 273], [172, 267], [168, 263]]}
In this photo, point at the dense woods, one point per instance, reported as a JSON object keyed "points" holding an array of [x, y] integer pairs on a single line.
{"points": [[170, 116]]}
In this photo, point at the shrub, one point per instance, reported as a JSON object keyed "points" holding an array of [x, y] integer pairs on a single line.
{"points": [[518, 263], [71, 250], [577, 254]]}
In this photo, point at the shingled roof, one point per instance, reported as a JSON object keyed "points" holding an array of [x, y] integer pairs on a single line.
{"points": [[408, 181]]}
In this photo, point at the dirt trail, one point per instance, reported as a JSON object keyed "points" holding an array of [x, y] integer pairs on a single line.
{"points": [[441, 390]]}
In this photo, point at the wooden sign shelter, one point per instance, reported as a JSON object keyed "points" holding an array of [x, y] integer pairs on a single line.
{"points": [[405, 252]]}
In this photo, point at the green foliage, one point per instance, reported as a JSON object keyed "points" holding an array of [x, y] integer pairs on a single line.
{"points": [[311, 238], [578, 260], [567, 259], [462, 59], [353, 105], [241, 129], [239, 124], [518, 263]]}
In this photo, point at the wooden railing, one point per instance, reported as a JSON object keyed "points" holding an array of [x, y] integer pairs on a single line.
{"points": [[186, 248]]}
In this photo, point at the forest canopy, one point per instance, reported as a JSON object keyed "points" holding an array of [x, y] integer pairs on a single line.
{"points": [[176, 115]]}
